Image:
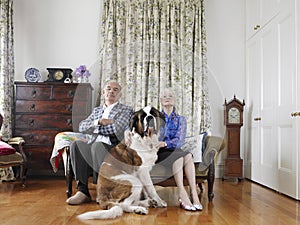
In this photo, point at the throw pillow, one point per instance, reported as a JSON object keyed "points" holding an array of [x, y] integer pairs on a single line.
{"points": [[6, 149], [195, 145]]}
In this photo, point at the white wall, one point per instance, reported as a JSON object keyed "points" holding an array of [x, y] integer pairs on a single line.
{"points": [[56, 33], [225, 20], [65, 33]]}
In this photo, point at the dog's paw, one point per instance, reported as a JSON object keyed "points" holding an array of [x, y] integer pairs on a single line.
{"points": [[144, 203], [152, 203], [140, 210], [162, 204], [157, 203]]}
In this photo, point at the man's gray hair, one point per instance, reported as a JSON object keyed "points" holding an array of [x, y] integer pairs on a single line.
{"points": [[112, 81]]}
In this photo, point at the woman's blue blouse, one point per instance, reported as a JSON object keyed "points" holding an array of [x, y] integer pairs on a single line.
{"points": [[175, 130]]}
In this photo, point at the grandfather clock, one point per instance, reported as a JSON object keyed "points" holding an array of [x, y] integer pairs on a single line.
{"points": [[233, 119]]}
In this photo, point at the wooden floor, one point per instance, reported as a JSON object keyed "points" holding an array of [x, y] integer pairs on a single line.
{"points": [[43, 202]]}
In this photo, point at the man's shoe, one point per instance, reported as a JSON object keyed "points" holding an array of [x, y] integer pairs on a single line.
{"points": [[78, 199]]}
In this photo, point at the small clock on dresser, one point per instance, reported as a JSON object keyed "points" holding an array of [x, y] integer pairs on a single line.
{"points": [[233, 119], [59, 74]]}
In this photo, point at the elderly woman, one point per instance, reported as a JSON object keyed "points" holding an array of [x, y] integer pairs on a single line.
{"points": [[171, 155]]}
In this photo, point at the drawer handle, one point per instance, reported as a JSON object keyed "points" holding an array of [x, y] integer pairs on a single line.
{"points": [[31, 122], [33, 93], [69, 122], [31, 138], [32, 107], [71, 93], [257, 119], [69, 108]]}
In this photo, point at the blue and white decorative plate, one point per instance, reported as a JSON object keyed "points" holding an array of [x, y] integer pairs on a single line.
{"points": [[32, 75]]}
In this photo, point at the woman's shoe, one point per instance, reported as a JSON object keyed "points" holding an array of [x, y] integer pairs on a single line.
{"points": [[198, 207], [186, 207]]}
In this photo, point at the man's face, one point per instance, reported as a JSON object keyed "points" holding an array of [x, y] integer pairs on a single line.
{"points": [[112, 92]]}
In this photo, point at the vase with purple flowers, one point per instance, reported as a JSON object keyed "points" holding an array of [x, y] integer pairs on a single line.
{"points": [[82, 74]]}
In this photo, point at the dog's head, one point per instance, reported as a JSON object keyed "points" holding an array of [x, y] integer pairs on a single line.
{"points": [[147, 121]]}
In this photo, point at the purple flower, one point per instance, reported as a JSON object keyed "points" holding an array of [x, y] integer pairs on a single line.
{"points": [[86, 73], [82, 71]]}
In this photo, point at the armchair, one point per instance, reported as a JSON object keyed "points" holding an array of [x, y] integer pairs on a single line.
{"points": [[12, 155]]}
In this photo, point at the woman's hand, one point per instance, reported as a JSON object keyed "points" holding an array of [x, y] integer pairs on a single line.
{"points": [[161, 144]]}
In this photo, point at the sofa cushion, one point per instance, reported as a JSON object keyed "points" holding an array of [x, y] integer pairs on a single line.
{"points": [[6, 149], [196, 146]]}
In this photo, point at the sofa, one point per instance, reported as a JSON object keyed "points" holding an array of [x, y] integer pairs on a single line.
{"points": [[161, 176]]}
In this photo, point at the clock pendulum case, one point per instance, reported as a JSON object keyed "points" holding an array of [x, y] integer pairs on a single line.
{"points": [[233, 119]]}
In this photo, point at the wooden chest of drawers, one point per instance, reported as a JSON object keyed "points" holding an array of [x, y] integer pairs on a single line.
{"points": [[44, 109]]}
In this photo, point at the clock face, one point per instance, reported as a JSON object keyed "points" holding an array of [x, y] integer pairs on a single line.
{"points": [[234, 115], [58, 75]]}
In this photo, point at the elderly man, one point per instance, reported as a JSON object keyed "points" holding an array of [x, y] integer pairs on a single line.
{"points": [[107, 123]]}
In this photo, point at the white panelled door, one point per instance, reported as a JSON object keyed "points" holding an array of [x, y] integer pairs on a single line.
{"points": [[253, 115], [262, 56], [272, 96], [286, 104], [269, 71]]}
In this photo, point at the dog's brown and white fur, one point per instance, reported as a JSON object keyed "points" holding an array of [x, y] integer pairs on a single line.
{"points": [[124, 183]]}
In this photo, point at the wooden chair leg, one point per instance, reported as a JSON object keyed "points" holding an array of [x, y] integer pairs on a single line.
{"points": [[23, 171], [200, 186], [69, 174], [20, 173], [210, 181]]}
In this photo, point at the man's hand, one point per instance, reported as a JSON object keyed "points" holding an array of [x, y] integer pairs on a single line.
{"points": [[127, 137], [105, 121]]}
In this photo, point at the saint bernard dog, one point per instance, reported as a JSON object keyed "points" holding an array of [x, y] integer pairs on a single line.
{"points": [[124, 183]]}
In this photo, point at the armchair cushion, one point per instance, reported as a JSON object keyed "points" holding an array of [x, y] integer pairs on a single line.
{"points": [[11, 158], [15, 157], [6, 149], [196, 146]]}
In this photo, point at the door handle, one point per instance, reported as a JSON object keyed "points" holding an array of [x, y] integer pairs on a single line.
{"points": [[256, 27], [294, 114], [257, 119]]}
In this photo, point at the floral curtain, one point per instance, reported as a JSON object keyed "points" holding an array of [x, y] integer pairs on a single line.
{"points": [[6, 66], [151, 44]]}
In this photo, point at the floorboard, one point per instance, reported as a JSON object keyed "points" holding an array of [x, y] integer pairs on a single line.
{"points": [[43, 202]]}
